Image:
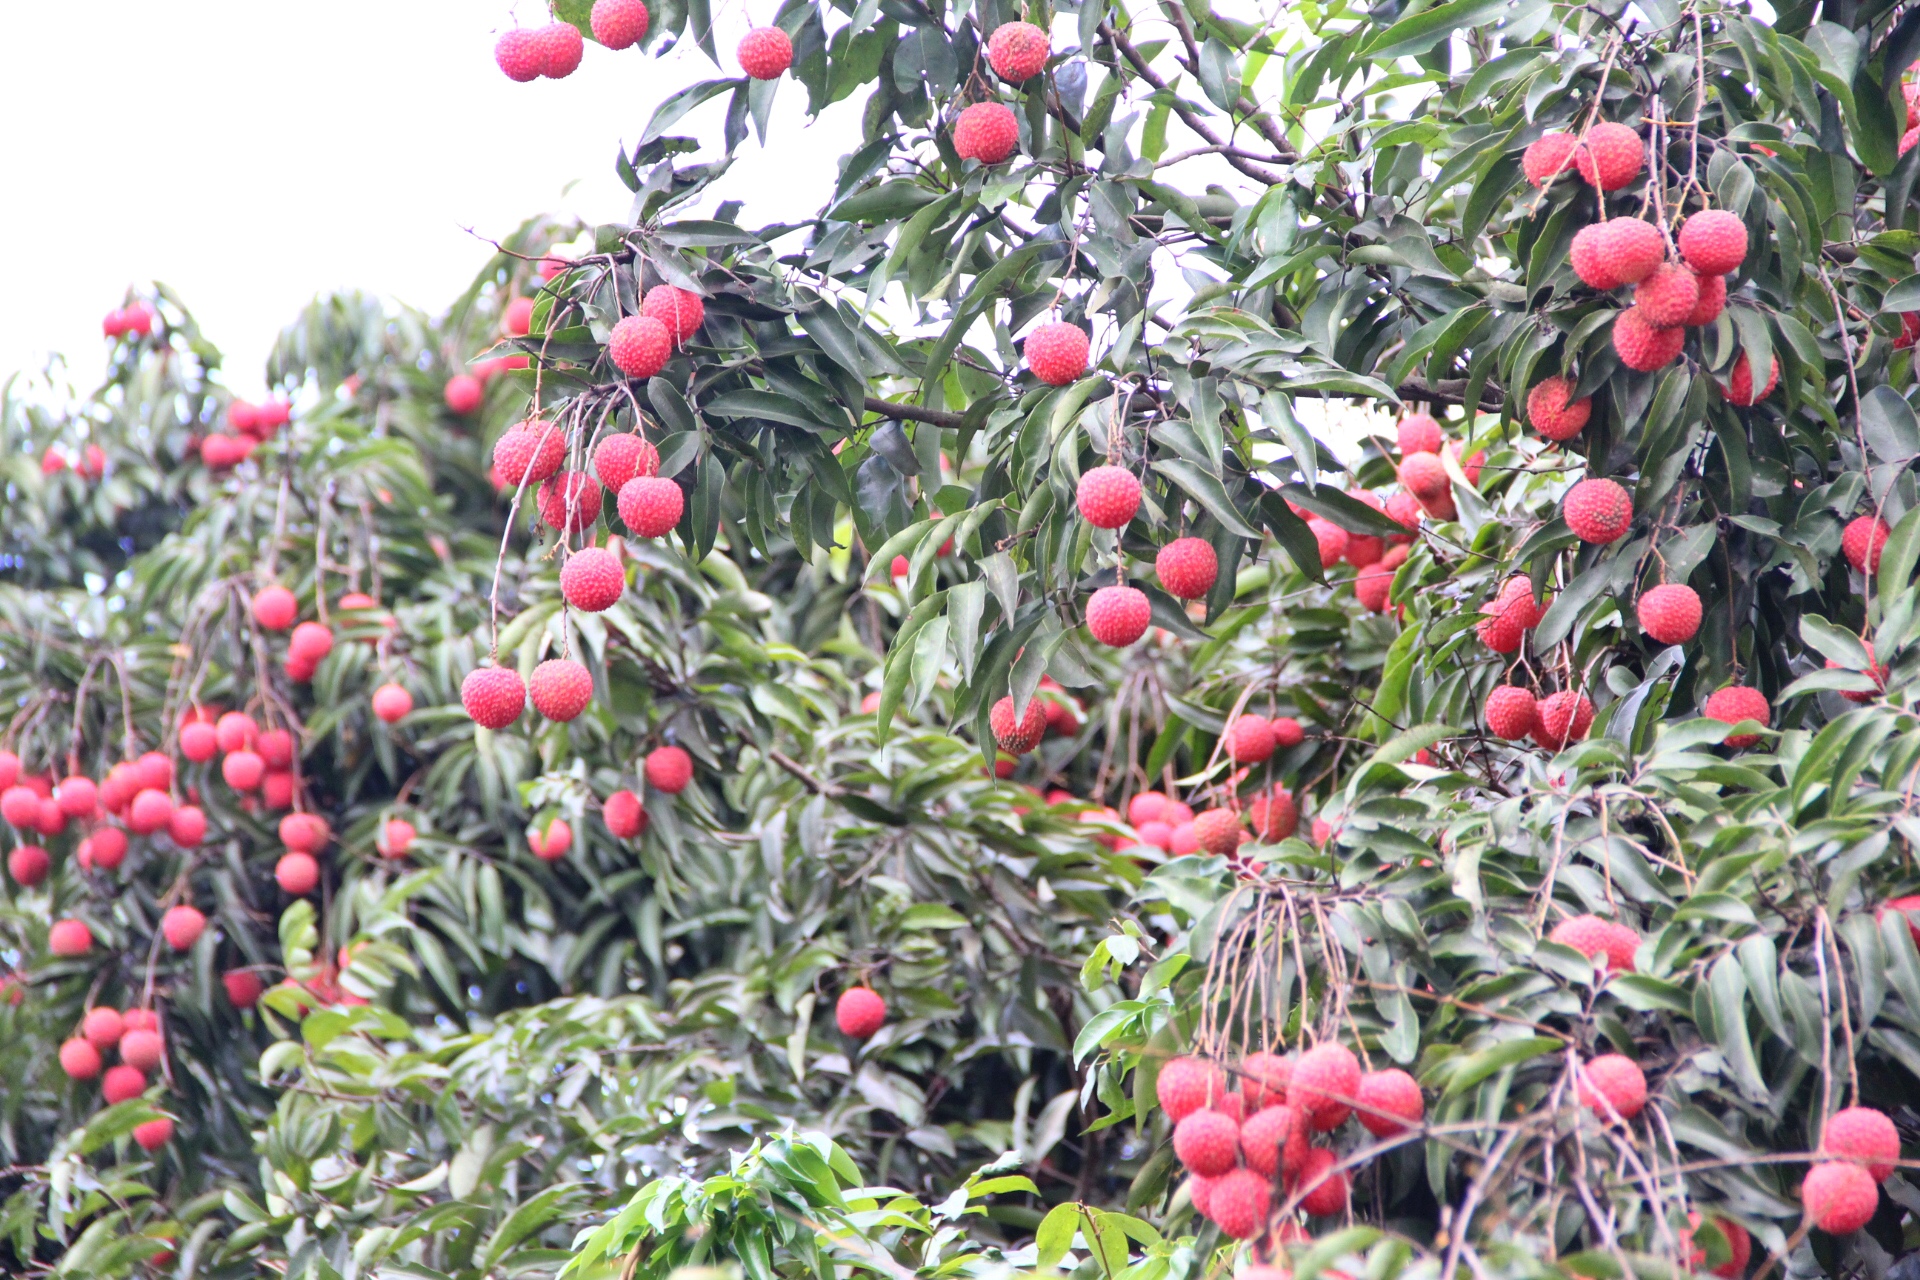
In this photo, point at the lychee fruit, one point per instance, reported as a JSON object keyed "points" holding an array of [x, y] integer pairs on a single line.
{"points": [[305, 832], [1553, 413], [1863, 1135], [1734, 704], [1199, 1191], [1018, 734], [1238, 1202], [198, 742], [1561, 718], [1839, 1197], [1419, 433], [1388, 1102], [517, 319], [275, 608], [122, 1083], [1597, 510], [765, 53], [1713, 300], [669, 769], [639, 346], [1207, 1142], [395, 838], [493, 696], [1331, 540], [1263, 1079], [519, 54], [1511, 713], [623, 456], [109, 844], [391, 702], [154, 1134], [624, 814], [463, 393], [28, 864], [142, 1048], [569, 501], [310, 642], [592, 579], [235, 731], [1187, 568], [275, 747], [1510, 616], [79, 1059], [1274, 1140], [1018, 51], [1218, 831], [69, 938], [1118, 616], [243, 987], [1597, 939], [986, 131], [1249, 740], [650, 506], [1186, 1085], [531, 450], [1287, 732], [241, 770], [552, 844], [1861, 542], [1326, 1189], [1325, 1080], [619, 24], [103, 1027], [860, 1012], [1643, 347], [681, 310], [1274, 815], [1549, 156], [1740, 381], [1108, 497], [1875, 671], [1613, 1086], [182, 926], [186, 827], [297, 873], [1057, 354], [561, 47], [560, 689], [1714, 242], [1667, 297], [1670, 613], [1606, 255], [1610, 156], [1423, 475]]}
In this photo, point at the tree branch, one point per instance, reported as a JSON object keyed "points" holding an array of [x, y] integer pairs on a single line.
{"points": [[913, 413], [1446, 391], [1188, 116]]}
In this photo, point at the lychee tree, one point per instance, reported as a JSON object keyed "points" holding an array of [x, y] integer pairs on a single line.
{"points": [[1538, 903]]}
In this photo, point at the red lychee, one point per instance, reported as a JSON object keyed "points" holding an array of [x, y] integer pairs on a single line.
{"points": [[624, 814], [275, 608], [1511, 713], [493, 696], [1552, 413], [1118, 616], [592, 579], [1018, 51], [1670, 613], [79, 1059], [153, 1135], [619, 24], [28, 864], [1561, 718], [1270, 1136], [297, 873], [1866, 1137], [1207, 1142], [519, 54], [186, 827], [1187, 568], [1331, 540], [1263, 1078], [569, 501], [560, 688], [1218, 831], [1249, 740], [305, 832], [1839, 1197], [517, 319], [1510, 616], [669, 769], [639, 346], [1714, 242], [531, 450], [1419, 433], [1713, 300], [1643, 347], [396, 837], [241, 770], [69, 938], [860, 1012], [182, 926], [1667, 297], [310, 642], [1018, 734], [1596, 939], [681, 310], [1326, 1190], [1186, 1085], [552, 844], [463, 393], [1548, 157], [1861, 542], [1597, 510], [1389, 1102], [623, 456], [1108, 497], [1735, 703], [243, 987], [1238, 1202], [1610, 156], [986, 131], [1057, 354], [1740, 381], [650, 506], [198, 742], [1325, 1080], [561, 47], [1613, 1086], [391, 702], [103, 1027], [235, 731], [765, 52], [1423, 475], [1874, 670], [142, 1049], [122, 1083]]}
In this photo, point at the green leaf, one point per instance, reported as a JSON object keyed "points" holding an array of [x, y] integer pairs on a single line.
{"points": [[1208, 492]]}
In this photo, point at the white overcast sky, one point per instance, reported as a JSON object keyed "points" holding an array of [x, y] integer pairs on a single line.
{"points": [[253, 155]]}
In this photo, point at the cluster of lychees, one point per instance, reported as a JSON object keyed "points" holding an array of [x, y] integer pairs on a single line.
{"points": [[249, 426], [555, 50]]}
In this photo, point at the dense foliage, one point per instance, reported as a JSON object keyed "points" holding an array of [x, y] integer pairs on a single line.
{"points": [[511, 1036]]}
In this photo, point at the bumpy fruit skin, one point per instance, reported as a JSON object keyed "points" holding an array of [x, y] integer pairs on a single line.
{"points": [[650, 506], [1713, 300], [1187, 568], [463, 393], [1714, 242], [275, 608], [1207, 1142], [1018, 734], [1735, 703], [1406, 510], [297, 874], [569, 501], [1419, 433], [1326, 1190], [1562, 718], [182, 926], [1249, 740], [1510, 616], [1267, 1133], [1670, 613], [1238, 1202], [518, 53], [986, 131], [1218, 831], [1597, 510], [1740, 381], [531, 450], [562, 46], [1553, 413], [493, 696], [1118, 616], [1590, 259], [1549, 156], [669, 769], [1668, 296], [1057, 354], [1596, 939], [391, 702], [1424, 476], [561, 689], [592, 579], [1866, 1137], [765, 53], [639, 346], [1861, 542], [860, 1012], [1325, 1078], [1643, 347], [619, 24], [1611, 155], [1186, 1085], [1389, 1102], [680, 310], [624, 456], [1839, 1197], [1612, 1085], [1363, 549], [1263, 1079], [1018, 51], [1511, 712], [624, 814], [1108, 497], [1200, 1192]]}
